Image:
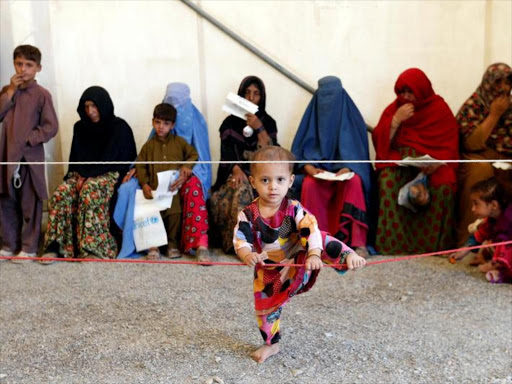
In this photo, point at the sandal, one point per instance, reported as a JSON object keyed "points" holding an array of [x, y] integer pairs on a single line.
{"points": [[173, 253], [50, 255], [153, 254], [203, 256]]}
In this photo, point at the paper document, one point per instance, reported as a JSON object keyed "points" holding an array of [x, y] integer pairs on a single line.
{"points": [[332, 176], [502, 165], [238, 106], [411, 161], [162, 197]]}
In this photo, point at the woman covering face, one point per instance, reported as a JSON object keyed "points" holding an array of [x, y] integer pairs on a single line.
{"points": [[418, 122], [485, 121]]}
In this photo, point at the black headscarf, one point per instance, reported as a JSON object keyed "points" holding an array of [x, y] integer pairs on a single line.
{"points": [[234, 145], [110, 139]]}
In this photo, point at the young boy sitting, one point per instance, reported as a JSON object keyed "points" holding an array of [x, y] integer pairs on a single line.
{"points": [[165, 146], [29, 120]]}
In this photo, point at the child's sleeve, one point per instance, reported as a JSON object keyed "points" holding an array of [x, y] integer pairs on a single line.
{"points": [[48, 123], [483, 232], [242, 235], [310, 235], [142, 169], [6, 103], [189, 154]]}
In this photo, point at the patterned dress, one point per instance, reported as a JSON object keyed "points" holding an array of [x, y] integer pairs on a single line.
{"points": [[286, 237], [402, 231], [79, 220]]}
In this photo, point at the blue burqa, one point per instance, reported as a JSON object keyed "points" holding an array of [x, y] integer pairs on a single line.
{"points": [[332, 128]]}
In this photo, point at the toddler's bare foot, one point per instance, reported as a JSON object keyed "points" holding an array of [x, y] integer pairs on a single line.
{"points": [[264, 352]]}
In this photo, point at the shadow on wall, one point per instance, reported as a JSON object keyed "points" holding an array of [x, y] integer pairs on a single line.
{"points": [[42, 37]]}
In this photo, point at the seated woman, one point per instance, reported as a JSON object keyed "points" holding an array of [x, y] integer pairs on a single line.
{"points": [[485, 121], [191, 126], [232, 190], [332, 128], [417, 123], [79, 210]]}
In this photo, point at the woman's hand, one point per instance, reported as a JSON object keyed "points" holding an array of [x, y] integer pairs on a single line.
{"points": [[499, 105], [147, 191], [403, 113], [429, 169], [264, 139], [238, 177], [253, 121], [342, 171], [132, 172], [311, 170]]}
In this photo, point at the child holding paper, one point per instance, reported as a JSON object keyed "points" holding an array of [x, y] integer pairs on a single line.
{"points": [[165, 146]]}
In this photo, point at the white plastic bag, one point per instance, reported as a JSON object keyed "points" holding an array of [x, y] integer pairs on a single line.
{"points": [[149, 231]]}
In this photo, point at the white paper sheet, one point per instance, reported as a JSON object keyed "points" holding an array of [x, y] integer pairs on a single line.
{"points": [[162, 197], [502, 165], [410, 161], [238, 106], [332, 176]]}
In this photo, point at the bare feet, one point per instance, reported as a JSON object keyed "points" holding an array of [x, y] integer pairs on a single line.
{"points": [[264, 352]]}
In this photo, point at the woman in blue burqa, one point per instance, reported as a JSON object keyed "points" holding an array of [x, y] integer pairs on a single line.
{"points": [[332, 128]]}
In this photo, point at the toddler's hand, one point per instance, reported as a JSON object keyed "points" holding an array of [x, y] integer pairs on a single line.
{"points": [[146, 190], [253, 258], [313, 263], [354, 261]]}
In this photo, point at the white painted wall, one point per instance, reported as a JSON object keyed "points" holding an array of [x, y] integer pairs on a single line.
{"points": [[134, 48]]}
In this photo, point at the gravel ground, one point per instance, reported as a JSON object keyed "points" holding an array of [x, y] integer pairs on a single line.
{"points": [[418, 321]]}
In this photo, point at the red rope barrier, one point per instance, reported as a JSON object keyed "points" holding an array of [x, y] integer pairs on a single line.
{"points": [[236, 264]]}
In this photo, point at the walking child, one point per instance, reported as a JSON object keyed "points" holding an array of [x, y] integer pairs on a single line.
{"points": [[489, 203], [29, 121], [276, 230]]}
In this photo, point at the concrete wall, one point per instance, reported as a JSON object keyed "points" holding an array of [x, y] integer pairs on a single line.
{"points": [[134, 48]]}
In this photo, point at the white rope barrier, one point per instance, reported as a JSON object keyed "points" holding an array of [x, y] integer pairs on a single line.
{"points": [[255, 162]]}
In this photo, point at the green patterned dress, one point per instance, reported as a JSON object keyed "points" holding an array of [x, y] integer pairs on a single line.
{"points": [[402, 231]]}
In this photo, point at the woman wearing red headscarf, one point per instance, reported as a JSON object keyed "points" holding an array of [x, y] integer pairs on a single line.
{"points": [[417, 123]]}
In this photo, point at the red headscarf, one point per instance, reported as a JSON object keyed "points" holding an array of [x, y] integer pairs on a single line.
{"points": [[432, 129]]}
